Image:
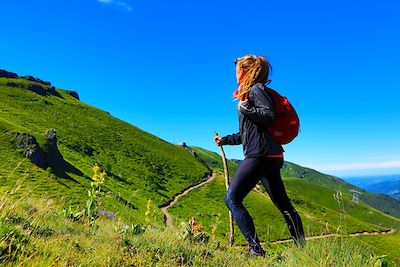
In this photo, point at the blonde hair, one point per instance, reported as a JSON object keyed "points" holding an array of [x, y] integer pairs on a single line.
{"points": [[256, 70]]}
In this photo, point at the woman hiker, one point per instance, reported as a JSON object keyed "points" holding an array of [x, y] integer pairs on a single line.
{"points": [[263, 156]]}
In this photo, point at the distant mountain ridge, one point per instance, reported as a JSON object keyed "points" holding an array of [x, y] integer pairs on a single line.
{"points": [[364, 181], [386, 184], [390, 188]]}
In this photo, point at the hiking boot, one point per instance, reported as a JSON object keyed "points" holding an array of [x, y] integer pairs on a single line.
{"points": [[255, 249], [254, 252]]}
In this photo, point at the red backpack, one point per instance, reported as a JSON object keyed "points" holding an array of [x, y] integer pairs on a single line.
{"points": [[287, 123]]}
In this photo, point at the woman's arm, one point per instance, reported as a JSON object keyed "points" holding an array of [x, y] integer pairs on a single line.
{"points": [[232, 139], [259, 106]]}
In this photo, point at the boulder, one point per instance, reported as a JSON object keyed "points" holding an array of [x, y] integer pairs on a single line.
{"points": [[16, 85], [183, 144], [30, 148], [43, 90], [54, 157], [7, 74], [37, 88], [74, 94], [33, 79], [52, 91]]}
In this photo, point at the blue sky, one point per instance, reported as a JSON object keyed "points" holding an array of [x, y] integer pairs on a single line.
{"points": [[167, 67]]}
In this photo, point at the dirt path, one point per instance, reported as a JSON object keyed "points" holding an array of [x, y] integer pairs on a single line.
{"points": [[388, 232], [167, 216]]}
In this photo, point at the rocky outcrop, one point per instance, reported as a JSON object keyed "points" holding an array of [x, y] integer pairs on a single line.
{"points": [[42, 90], [37, 80], [48, 156], [74, 94], [183, 144], [54, 157], [298, 173], [14, 84], [7, 74], [30, 148], [37, 86]]}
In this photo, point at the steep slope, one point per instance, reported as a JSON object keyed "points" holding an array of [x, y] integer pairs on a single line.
{"points": [[140, 166]]}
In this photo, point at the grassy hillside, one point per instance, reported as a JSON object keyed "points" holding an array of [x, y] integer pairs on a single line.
{"points": [[140, 166], [381, 202]]}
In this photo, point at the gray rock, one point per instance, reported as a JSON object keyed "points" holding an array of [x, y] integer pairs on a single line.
{"points": [[47, 157], [33, 79], [43, 90], [15, 85], [52, 91], [74, 94], [183, 144], [108, 214], [37, 88], [8, 74], [51, 136], [54, 157], [30, 148]]}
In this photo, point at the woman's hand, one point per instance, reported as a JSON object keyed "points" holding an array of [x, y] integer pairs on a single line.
{"points": [[218, 140]]}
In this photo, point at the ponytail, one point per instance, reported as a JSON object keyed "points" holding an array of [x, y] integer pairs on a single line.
{"points": [[256, 70]]}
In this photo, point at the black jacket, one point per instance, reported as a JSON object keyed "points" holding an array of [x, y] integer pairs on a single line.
{"points": [[254, 116]]}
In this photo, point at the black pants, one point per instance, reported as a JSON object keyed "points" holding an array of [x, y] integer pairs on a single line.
{"points": [[249, 172]]}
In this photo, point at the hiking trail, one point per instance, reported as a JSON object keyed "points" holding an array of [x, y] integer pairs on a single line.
{"points": [[387, 232], [164, 209]]}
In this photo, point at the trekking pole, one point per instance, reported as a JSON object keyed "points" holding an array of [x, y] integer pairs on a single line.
{"points": [[226, 171]]}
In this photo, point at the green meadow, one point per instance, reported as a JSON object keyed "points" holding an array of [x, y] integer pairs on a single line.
{"points": [[35, 233]]}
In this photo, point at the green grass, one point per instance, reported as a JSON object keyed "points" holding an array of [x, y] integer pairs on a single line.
{"points": [[33, 233], [383, 245]]}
